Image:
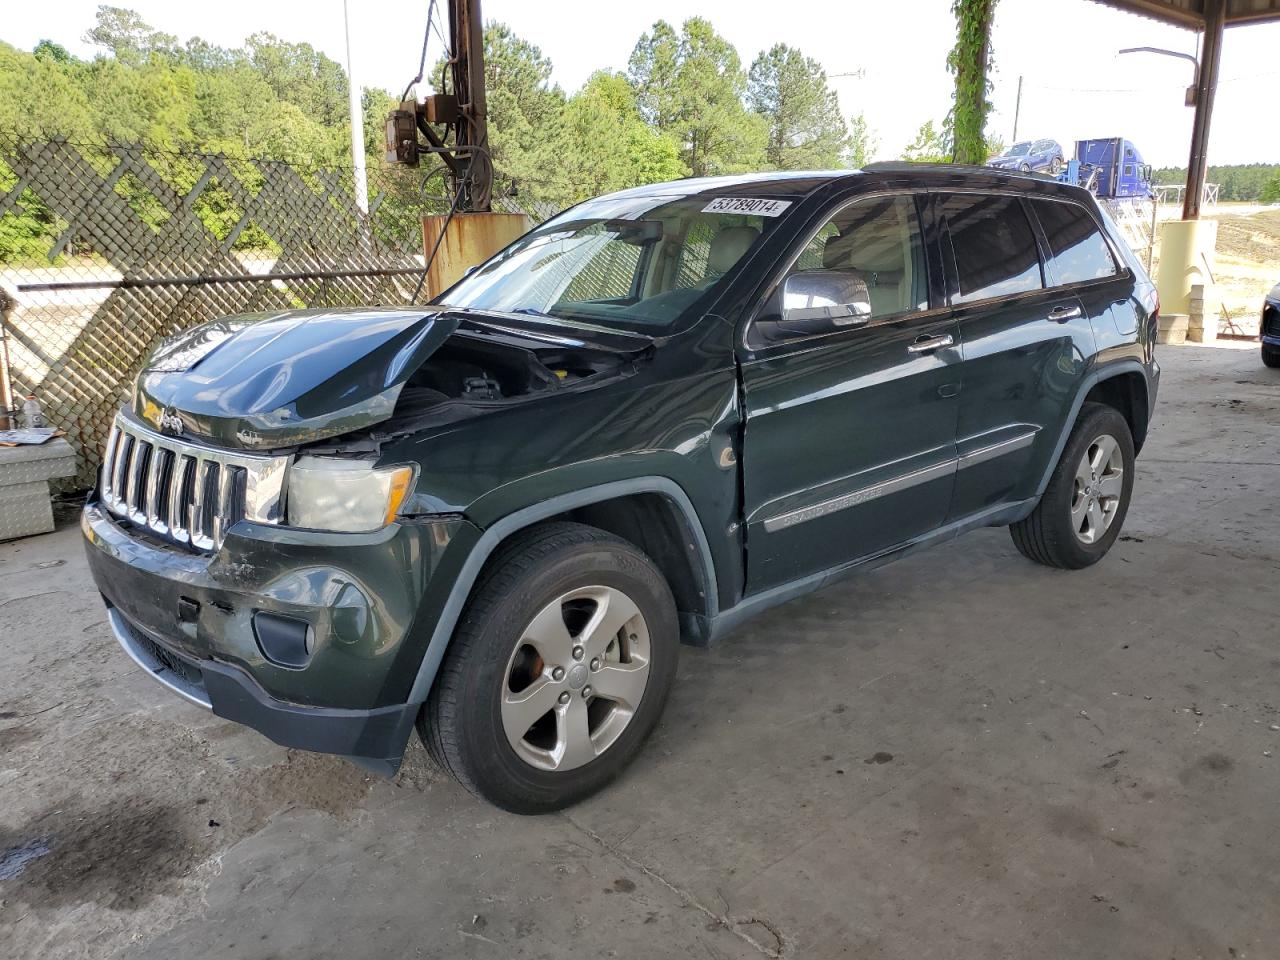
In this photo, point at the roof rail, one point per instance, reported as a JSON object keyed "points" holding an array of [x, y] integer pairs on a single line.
{"points": [[911, 166]]}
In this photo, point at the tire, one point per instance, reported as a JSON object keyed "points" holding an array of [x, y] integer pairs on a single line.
{"points": [[1025, 168], [1055, 166], [495, 677], [1270, 355], [1055, 536]]}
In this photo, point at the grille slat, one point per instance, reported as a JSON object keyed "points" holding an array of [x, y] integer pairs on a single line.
{"points": [[224, 510], [109, 457], [122, 469], [186, 492], [178, 485]]}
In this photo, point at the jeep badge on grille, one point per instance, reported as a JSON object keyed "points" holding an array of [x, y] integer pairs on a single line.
{"points": [[170, 422]]}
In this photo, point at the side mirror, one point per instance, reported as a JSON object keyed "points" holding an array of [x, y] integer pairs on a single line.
{"points": [[825, 298]]}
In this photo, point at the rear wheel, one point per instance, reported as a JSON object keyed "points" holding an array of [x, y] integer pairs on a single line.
{"points": [[1084, 506], [1270, 355], [558, 671]]}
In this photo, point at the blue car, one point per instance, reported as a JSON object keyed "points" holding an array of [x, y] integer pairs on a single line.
{"points": [[1043, 155], [1270, 328]]}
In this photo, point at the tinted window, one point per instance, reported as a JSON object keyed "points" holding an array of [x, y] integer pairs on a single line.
{"points": [[1079, 250], [994, 247]]}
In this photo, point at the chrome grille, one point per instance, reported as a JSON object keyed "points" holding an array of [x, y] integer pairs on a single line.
{"points": [[184, 492]]}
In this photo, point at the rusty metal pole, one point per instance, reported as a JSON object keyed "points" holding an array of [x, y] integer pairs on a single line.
{"points": [[1215, 18], [466, 28]]}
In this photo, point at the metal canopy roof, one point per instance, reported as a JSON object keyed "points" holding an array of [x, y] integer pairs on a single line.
{"points": [[1191, 13]]}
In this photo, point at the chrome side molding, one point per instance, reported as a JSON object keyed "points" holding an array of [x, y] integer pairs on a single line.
{"points": [[895, 484]]}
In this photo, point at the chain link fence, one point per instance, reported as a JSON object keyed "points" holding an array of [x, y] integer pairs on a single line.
{"points": [[107, 249]]}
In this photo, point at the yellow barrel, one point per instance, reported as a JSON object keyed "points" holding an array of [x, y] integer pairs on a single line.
{"points": [[1186, 259]]}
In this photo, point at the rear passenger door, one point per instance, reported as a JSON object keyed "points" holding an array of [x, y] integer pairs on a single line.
{"points": [[1025, 347], [1082, 263]]}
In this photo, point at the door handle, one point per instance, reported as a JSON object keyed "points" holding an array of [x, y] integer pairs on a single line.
{"points": [[1062, 314], [929, 344]]}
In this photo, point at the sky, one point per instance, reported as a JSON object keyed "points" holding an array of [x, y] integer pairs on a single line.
{"points": [[885, 60]]}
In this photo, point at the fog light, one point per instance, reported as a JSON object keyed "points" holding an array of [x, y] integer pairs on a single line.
{"points": [[286, 641]]}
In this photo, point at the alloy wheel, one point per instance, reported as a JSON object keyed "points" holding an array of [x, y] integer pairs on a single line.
{"points": [[1099, 485], [576, 678]]}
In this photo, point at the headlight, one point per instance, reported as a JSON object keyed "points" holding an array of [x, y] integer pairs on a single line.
{"points": [[352, 496]]}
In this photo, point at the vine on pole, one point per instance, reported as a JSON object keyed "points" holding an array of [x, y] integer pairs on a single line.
{"points": [[970, 60]]}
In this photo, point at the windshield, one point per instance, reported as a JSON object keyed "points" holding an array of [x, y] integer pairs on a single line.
{"points": [[1018, 150], [639, 263]]}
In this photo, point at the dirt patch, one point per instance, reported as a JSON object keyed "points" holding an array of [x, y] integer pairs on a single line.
{"points": [[1254, 238], [118, 857], [313, 781], [154, 808], [1210, 768]]}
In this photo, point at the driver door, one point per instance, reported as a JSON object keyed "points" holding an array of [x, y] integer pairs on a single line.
{"points": [[850, 439]]}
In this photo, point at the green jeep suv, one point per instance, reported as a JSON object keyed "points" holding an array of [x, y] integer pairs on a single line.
{"points": [[496, 517]]}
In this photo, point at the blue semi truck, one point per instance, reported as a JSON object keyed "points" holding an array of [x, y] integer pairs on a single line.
{"points": [[1110, 168]]}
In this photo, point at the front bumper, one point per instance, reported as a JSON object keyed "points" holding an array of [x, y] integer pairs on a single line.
{"points": [[375, 739], [188, 619]]}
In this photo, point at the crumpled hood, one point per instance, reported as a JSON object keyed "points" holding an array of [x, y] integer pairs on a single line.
{"points": [[269, 380]]}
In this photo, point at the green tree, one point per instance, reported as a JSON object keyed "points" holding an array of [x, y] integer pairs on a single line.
{"points": [[1270, 192], [48, 50], [931, 145], [1242, 181], [863, 142], [805, 128], [129, 38], [606, 145], [970, 60], [654, 72], [41, 96], [690, 87], [152, 102], [301, 75]]}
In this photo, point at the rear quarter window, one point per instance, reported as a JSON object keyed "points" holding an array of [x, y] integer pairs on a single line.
{"points": [[1080, 253]]}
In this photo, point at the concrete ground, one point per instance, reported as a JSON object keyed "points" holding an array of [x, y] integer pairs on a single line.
{"points": [[959, 755]]}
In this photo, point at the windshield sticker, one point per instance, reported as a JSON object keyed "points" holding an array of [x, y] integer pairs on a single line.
{"points": [[756, 206]]}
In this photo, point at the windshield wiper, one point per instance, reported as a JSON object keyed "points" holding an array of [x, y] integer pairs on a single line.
{"points": [[531, 312]]}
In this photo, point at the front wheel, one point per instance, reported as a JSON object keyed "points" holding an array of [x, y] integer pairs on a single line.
{"points": [[1025, 167], [1270, 355], [1055, 166], [558, 671], [1083, 507]]}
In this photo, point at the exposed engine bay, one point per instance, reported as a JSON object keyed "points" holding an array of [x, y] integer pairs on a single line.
{"points": [[477, 368], [347, 380], [481, 369]]}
